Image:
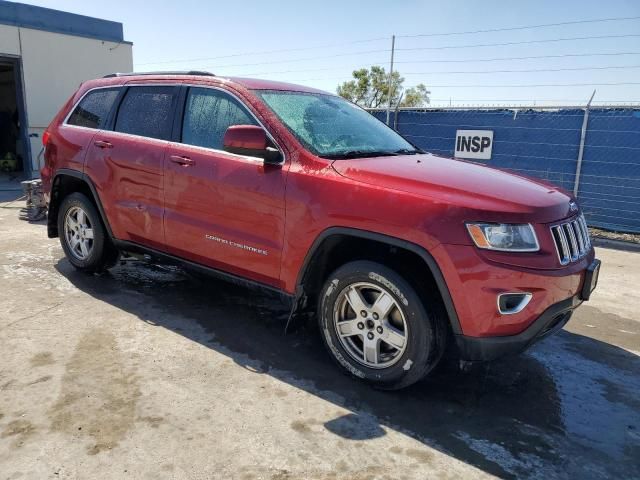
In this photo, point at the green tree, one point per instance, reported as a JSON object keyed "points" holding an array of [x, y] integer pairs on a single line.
{"points": [[417, 96], [370, 89]]}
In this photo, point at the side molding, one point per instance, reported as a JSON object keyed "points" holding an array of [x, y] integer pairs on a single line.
{"points": [[151, 254]]}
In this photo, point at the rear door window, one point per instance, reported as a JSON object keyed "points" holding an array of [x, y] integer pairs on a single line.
{"points": [[147, 112], [207, 115], [94, 108]]}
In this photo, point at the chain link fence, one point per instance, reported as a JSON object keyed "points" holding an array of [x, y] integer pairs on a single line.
{"points": [[545, 143]]}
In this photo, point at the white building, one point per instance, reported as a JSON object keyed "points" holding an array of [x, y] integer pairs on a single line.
{"points": [[44, 56]]}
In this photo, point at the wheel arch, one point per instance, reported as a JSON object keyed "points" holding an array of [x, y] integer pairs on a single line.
{"points": [[65, 182], [338, 245]]}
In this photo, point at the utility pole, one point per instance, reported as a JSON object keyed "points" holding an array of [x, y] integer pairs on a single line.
{"points": [[583, 136], [395, 118], [393, 46]]}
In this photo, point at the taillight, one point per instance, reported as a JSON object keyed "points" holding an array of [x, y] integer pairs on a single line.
{"points": [[45, 138]]}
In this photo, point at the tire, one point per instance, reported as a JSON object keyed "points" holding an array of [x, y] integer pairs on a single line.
{"points": [[398, 366], [98, 253]]}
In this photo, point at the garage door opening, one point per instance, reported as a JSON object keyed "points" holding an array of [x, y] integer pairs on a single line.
{"points": [[13, 154]]}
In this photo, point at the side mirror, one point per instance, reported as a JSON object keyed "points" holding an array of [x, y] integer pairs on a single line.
{"points": [[252, 141]]}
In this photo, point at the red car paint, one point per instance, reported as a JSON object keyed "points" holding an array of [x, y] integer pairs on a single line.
{"points": [[204, 211]]}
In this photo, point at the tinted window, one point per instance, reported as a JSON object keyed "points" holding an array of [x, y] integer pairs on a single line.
{"points": [[207, 116], [146, 111], [93, 109]]}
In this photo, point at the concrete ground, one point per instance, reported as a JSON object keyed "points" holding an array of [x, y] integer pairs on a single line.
{"points": [[145, 372]]}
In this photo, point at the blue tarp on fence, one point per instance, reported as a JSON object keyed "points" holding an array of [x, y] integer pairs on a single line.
{"points": [[545, 144]]}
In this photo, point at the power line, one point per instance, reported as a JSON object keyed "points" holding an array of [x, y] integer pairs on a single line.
{"points": [[304, 70], [362, 52], [479, 85], [470, 60], [524, 42], [526, 27], [448, 72], [535, 70], [368, 40], [499, 86], [442, 61], [444, 47], [264, 52], [537, 85], [410, 61]]}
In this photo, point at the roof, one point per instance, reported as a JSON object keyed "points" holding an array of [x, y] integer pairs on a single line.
{"points": [[248, 83], [257, 84], [49, 20], [174, 73]]}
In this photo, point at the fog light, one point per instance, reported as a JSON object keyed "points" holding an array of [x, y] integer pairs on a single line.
{"points": [[510, 303]]}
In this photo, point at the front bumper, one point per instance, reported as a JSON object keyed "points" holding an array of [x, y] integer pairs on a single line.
{"points": [[480, 349], [476, 282], [549, 322]]}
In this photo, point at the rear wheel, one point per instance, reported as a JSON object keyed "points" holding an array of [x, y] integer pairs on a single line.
{"points": [[375, 325], [83, 236]]}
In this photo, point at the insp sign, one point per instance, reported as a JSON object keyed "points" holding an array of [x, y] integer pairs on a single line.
{"points": [[474, 144]]}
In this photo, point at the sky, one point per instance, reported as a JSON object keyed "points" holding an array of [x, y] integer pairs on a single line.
{"points": [[320, 43]]}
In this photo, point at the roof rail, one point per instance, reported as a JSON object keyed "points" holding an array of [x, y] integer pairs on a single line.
{"points": [[190, 72]]}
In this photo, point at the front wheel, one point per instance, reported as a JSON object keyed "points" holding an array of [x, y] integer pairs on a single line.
{"points": [[375, 325]]}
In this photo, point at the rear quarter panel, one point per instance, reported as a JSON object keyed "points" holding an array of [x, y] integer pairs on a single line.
{"points": [[67, 146]]}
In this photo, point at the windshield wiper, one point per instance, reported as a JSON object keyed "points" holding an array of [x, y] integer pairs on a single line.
{"points": [[360, 154], [408, 151]]}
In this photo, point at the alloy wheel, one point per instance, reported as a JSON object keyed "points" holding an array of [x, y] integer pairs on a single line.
{"points": [[370, 325], [78, 233]]}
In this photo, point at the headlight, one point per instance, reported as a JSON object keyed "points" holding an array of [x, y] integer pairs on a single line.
{"points": [[504, 237]]}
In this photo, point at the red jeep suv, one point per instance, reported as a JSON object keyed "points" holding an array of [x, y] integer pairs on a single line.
{"points": [[401, 253]]}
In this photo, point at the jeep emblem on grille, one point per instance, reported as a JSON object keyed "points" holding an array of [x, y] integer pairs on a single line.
{"points": [[573, 207]]}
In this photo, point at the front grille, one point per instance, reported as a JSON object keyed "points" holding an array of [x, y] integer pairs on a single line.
{"points": [[571, 239]]}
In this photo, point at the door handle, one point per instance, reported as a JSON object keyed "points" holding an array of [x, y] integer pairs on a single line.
{"points": [[181, 160], [103, 144]]}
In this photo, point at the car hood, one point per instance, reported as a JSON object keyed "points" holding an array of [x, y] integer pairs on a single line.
{"points": [[463, 184]]}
